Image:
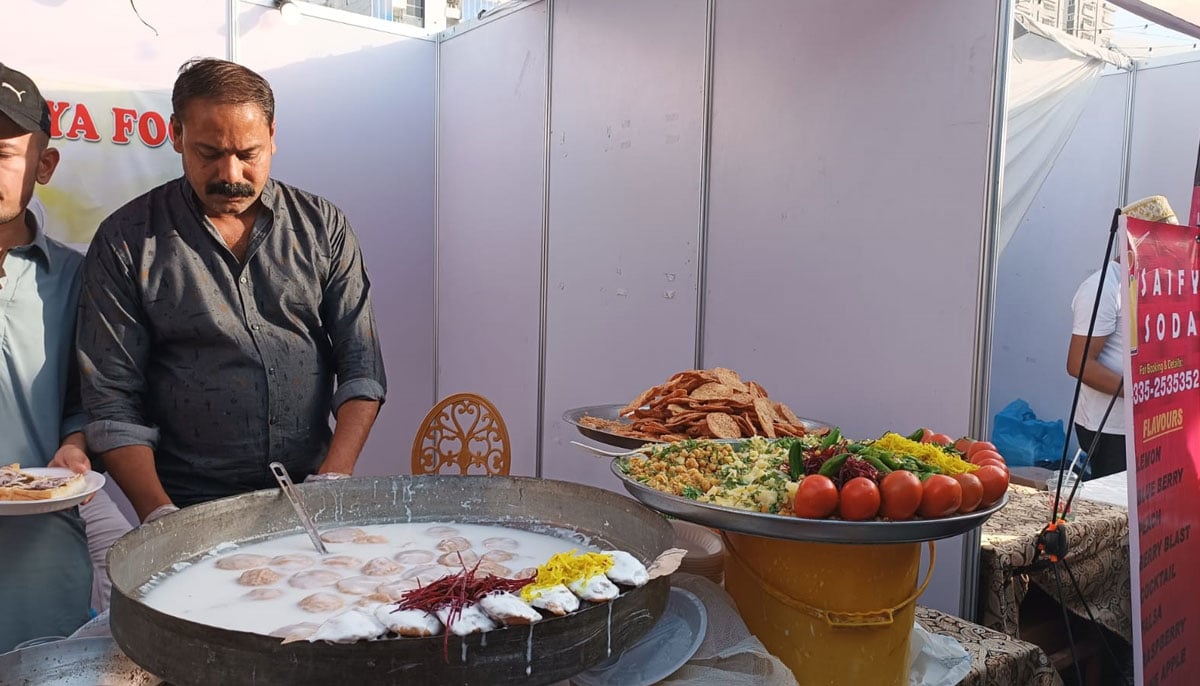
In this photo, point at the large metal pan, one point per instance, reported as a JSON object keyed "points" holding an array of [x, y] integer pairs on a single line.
{"points": [[184, 652], [73, 662]]}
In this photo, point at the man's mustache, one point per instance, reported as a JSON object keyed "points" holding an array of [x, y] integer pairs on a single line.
{"points": [[230, 190]]}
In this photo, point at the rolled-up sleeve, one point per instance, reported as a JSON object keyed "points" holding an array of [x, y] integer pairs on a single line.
{"points": [[349, 319], [113, 344]]}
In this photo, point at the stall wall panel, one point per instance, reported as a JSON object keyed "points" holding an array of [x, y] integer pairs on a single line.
{"points": [[625, 156], [492, 138], [849, 171], [1166, 134], [1058, 244], [104, 44], [354, 113]]}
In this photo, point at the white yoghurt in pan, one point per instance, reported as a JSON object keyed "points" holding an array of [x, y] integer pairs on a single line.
{"points": [[204, 592]]}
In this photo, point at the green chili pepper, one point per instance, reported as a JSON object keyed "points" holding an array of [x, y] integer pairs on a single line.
{"points": [[831, 438], [916, 435], [877, 464], [796, 461], [833, 464]]}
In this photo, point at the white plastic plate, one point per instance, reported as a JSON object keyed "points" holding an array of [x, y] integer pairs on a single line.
{"points": [[92, 482]]}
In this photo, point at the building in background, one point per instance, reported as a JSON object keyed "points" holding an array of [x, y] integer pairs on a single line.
{"points": [[433, 15], [1086, 19]]}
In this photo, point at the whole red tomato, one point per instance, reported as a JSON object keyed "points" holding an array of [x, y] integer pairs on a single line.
{"points": [[859, 499], [941, 439], [977, 446], [995, 483], [816, 497], [972, 492], [940, 497], [977, 455], [900, 495]]}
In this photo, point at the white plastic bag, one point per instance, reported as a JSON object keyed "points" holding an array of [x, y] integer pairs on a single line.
{"points": [[936, 660]]}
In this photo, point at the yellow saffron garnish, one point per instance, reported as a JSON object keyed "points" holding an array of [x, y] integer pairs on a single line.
{"points": [[564, 568]]}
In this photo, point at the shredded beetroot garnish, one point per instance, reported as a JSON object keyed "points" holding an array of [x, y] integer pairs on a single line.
{"points": [[457, 591], [856, 467]]}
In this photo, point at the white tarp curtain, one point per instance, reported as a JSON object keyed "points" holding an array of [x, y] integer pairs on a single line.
{"points": [[1178, 15], [1051, 75]]}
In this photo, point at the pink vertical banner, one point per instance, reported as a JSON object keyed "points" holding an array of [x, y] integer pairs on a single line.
{"points": [[1162, 381]]}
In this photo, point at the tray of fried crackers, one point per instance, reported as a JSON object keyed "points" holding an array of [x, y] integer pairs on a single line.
{"points": [[697, 403]]}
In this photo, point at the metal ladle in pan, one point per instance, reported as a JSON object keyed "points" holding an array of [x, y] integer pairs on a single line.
{"points": [[289, 489]]}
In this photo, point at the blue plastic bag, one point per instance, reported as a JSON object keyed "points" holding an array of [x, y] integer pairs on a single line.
{"points": [[1025, 440]]}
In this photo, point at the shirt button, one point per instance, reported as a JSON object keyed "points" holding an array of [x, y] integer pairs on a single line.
{"points": [[271, 371], [272, 421], [254, 327], [243, 279]]}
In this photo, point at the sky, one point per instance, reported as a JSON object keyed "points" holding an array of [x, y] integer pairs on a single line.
{"points": [[1132, 35]]}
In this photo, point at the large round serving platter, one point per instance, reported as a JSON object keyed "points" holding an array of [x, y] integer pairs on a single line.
{"points": [[73, 662], [798, 528], [613, 412], [186, 653]]}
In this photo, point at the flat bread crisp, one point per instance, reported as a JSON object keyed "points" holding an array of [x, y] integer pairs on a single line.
{"points": [[19, 485]]}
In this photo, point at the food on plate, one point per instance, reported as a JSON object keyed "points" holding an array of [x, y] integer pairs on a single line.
{"points": [[346, 535], [459, 558], [469, 620], [414, 557], [360, 585], [941, 496], [558, 600], [744, 475], [811, 476], [263, 594], [292, 563], [702, 403], [16, 484], [859, 500], [295, 632]]}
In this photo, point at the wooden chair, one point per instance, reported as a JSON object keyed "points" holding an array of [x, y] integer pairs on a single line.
{"points": [[463, 433]]}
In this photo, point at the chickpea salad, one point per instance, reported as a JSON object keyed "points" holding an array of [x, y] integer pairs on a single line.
{"points": [[747, 475]]}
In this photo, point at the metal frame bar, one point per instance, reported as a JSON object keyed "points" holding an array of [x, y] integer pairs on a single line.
{"points": [[352, 19], [492, 15], [981, 364], [233, 35], [1127, 142], [710, 31], [437, 212], [544, 292]]}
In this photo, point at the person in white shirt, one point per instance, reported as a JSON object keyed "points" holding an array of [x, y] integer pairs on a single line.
{"points": [[1103, 373]]}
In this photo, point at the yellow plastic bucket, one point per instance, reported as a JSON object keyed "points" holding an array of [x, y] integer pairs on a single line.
{"points": [[836, 614]]}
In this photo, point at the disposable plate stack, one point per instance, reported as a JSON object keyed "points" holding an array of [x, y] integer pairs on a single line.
{"points": [[706, 552]]}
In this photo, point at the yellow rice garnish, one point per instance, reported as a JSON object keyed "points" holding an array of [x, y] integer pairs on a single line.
{"points": [[564, 568], [927, 453]]}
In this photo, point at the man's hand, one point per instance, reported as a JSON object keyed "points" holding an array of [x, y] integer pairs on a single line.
{"points": [[72, 456]]}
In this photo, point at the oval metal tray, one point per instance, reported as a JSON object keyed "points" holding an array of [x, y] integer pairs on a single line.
{"points": [[613, 412], [799, 528]]}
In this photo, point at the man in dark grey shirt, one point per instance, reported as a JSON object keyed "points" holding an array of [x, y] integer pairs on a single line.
{"points": [[217, 311]]}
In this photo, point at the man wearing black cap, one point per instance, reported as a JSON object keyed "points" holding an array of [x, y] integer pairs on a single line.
{"points": [[46, 573]]}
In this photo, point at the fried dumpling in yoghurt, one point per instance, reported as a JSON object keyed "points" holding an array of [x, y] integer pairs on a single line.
{"points": [[295, 632], [343, 561], [381, 566], [471, 620], [346, 535], [315, 578], [557, 600], [322, 602], [241, 561], [508, 609], [292, 562], [259, 577], [626, 569], [348, 627], [412, 623], [595, 589]]}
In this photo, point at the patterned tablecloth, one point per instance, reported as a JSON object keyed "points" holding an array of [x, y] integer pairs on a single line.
{"points": [[996, 659], [1098, 556]]}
